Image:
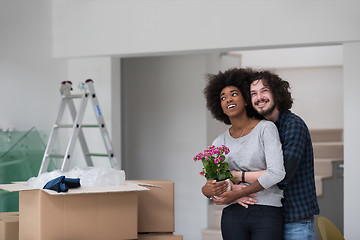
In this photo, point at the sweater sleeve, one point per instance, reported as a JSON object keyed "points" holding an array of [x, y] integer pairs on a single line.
{"points": [[275, 170]]}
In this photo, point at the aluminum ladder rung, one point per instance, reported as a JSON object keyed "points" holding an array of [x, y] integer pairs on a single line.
{"points": [[55, 156], [72, 125], [72, 96], [63, 125], [98, 154]]}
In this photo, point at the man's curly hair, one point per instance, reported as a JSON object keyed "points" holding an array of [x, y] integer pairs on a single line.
{"points": [[237, 77], [279, 88]]}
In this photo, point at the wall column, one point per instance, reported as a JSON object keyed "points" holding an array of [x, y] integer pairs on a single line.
{"points": [[351, 139]]}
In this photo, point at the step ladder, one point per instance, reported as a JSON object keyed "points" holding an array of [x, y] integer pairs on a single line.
{"points": [[67, 98]]}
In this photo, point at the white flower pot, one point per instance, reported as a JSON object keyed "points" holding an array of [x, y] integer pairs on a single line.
{"points": [[228, 189]]}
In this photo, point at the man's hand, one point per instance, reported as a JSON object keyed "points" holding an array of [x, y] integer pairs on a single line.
{"points": [[237, 192], [246, 201], [226, 198], [213, 188], [237, 187], [232, 196]]}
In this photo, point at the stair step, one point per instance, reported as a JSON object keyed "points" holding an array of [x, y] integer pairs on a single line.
{"points": [[324, 167], [211, 234], [329, 150], [319, 185], [327, 135]]}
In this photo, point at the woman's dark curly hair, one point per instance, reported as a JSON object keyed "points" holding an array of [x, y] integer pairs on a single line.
{"points": [[237, 77], [279, 88]]}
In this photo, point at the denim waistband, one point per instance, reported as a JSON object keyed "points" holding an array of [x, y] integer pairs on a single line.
{"points": [[305, 220]]}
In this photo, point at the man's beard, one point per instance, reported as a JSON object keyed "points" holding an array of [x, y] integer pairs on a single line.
{"points": [[268, 111]]}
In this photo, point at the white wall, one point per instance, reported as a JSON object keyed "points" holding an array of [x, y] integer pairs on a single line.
{"points": [[295, 57], [98, 27], [164, 127], [29, 75], [318, 95], [351, 142]]}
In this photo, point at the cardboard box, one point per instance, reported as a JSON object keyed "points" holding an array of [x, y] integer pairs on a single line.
{"points": [[9, 226], [82, 213], [156, 207], [159, 236]]}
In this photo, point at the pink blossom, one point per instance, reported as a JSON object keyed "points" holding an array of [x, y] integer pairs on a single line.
{"points": [[215, 157], [225, 149], [198, 157]]}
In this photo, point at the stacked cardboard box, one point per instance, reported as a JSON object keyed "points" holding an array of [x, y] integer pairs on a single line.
{"points": [[9, 226], [130, 211], [159, 236], [156, 211]]}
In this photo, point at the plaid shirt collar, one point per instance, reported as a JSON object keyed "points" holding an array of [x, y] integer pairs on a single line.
{"points": [[282, 116]]}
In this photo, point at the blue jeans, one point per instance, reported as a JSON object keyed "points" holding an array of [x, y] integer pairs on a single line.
{"points": [[258, 222], [300, 230]]}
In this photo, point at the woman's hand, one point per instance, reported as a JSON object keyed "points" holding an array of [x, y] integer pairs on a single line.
{"points": [[213, 188]]}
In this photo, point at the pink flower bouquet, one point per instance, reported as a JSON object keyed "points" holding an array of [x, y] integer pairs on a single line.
{"points": [[214, 165]]}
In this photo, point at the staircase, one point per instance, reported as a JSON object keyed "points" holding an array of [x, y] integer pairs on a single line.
{"points": [[328, 148]]}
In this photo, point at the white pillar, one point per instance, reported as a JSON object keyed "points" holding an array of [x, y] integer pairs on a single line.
{"points": [[351, 139]]}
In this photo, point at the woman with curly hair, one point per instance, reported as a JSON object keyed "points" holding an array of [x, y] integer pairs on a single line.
{"points": [[255, 149]]}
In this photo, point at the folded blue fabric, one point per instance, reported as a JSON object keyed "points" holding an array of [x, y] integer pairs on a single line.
{"points": [[72, 182], [62, 184]]}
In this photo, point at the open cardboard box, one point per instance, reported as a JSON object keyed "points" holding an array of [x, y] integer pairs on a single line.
{"points": [[81, 213]]}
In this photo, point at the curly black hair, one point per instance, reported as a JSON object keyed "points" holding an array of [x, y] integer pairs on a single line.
{"points": [[237, 77], [279, 88]]}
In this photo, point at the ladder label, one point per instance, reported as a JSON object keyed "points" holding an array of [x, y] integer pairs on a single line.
{"points": [[97, 110]]}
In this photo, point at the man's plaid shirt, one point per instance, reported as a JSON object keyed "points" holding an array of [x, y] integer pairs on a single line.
{"points": [[300, 201]]}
